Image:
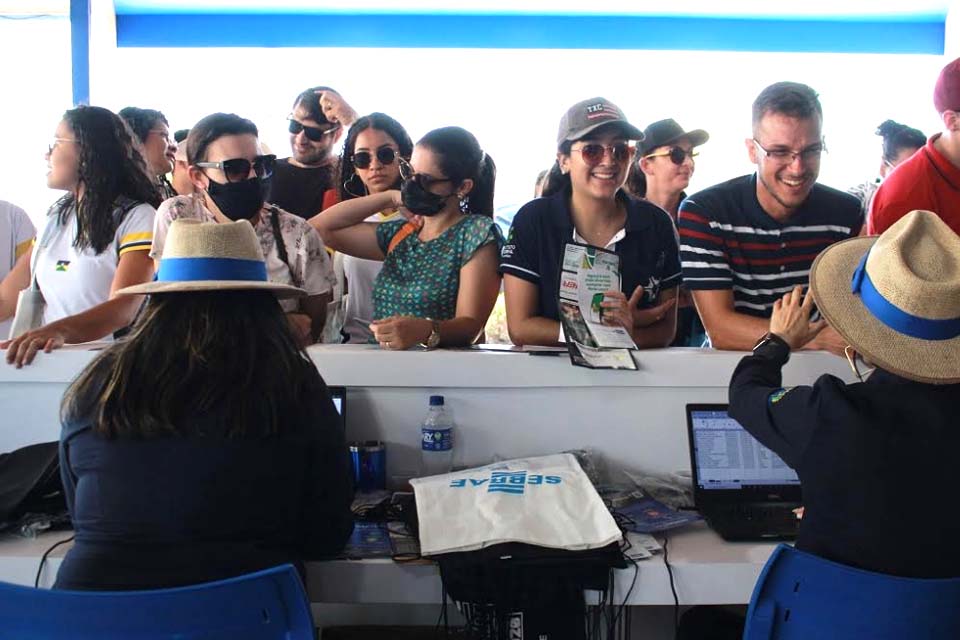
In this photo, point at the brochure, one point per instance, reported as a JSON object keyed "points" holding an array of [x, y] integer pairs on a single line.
{"points": [[587, 272]]}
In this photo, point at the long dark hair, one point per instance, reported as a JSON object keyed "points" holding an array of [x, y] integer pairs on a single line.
{"points": [[142, 121], [349, 184], [897, 137], [113, 173], [461, 158], [228, 354], [557, 180]]}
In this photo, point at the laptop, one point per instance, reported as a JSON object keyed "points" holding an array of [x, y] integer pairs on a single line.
{"points": [[743, 489]]}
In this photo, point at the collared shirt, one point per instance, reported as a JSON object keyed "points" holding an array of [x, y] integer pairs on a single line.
{"points": [[876, 461], [728, 241], [543, 227], [308, 265], [926, 180]]}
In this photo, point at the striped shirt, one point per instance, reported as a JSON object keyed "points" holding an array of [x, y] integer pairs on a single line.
{"points": [[728, 242]]}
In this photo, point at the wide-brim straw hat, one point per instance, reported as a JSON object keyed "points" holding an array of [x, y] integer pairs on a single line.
{"points": [[212, 256], [895, 298]]}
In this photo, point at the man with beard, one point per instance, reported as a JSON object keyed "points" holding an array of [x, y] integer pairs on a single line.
{"points": [[304, 183], [746, 242]]}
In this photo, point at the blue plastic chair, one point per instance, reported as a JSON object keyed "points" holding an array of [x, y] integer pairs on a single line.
{"points": [[269, 604], [801, 596]]}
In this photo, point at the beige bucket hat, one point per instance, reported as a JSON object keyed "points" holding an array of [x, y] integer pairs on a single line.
{"points": [[895, 298], [211, 256]]}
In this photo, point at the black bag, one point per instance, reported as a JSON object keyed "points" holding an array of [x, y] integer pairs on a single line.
{"points": [[30, 483]]}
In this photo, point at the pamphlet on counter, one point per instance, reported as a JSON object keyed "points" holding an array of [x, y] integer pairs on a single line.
{"points": [[586, 273]]}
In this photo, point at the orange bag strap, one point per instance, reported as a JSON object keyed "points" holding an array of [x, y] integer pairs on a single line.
{"points": [[400, 235]]}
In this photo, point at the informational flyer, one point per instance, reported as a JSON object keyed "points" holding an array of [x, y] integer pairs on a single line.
{"points": [[586, 273]]}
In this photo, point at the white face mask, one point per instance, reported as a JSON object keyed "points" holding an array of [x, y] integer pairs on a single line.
{"points": [[852, 356]]}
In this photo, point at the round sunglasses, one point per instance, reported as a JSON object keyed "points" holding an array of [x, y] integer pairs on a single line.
{"points": [[676, 154], [592, 153], [313, 133], [237, 169], [362, 159]]}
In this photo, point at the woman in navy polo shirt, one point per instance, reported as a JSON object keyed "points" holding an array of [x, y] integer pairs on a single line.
{"points": [[585, 203]]}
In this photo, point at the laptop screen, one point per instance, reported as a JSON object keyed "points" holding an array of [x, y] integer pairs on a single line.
{"points": [[727, 457]]}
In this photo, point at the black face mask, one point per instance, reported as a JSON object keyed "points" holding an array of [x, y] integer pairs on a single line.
{"points": [[419, 201], [240, 200]]}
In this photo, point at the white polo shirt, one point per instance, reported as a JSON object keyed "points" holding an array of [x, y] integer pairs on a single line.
{"points": [[73, 280], [16, 235]]}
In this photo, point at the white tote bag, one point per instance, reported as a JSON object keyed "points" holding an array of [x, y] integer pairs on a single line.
{"points": [[546, 501]]}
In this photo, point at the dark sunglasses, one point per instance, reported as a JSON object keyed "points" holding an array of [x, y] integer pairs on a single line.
{"points": [[592, 153], [237, 169], [313, 133], [423, 179], [362, 159], [676, 154]]}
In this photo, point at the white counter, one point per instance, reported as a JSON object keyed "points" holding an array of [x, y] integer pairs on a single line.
{"points": [[504, 404]]}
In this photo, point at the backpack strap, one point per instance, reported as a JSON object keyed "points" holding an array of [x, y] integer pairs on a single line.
{"points": [[401, 235]]}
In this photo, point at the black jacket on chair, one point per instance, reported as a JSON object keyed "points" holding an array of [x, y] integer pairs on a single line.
{"points": [[878, 462]]}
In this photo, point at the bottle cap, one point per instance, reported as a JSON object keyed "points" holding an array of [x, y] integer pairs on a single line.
{"points": [[436, 401]]}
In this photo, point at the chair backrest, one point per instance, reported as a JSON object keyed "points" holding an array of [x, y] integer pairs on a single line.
{"points": [[800, 595], [266, 605]]}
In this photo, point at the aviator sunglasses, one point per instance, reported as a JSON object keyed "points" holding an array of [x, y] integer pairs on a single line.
{"points": [[313, 133], [592, 153], [676, 154], [362, 159], [237, 169]]}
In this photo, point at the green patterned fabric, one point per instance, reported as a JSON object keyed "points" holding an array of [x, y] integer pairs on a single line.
{"points": [[421, 279]]}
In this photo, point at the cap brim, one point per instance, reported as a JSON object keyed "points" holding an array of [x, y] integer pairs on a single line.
{"points": [[932, 361], [630, 132], [696, 137], [281, 291]]}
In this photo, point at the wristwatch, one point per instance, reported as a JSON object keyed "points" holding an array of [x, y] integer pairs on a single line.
{"points": [[433, 340], [771, 344]]}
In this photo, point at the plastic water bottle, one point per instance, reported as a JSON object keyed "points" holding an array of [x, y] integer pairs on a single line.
{"points": [[436, 439]]}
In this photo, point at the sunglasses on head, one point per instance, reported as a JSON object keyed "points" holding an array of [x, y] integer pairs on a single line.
{"points": [[676, 154], [237, 169], [362, 159], [423, 179], [313, 133], [593, 152]]}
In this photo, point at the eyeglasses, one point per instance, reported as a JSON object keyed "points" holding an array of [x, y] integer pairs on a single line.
{"points": [[676, 154], [313, 133], [362, 159], [163, 133], [852, 361], [787, 156], [423, 179], [592, 153], [237, 169], [54, 142]]}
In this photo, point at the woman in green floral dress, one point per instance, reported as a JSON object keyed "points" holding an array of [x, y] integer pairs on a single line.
{"points": [[439, 280]]}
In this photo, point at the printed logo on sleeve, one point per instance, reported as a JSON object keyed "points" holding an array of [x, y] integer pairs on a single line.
{"points": [[63, 265]]}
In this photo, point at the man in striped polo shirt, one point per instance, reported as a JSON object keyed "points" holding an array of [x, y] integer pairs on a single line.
{"points": [[746, 242]]}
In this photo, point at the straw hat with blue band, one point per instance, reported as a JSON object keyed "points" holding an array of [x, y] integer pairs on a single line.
{"points": [[896, 298], [211, 256]]}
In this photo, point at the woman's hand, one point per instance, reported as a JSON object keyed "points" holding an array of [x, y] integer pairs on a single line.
{"points": [[618, 310], [791, 318], [401, 332], [22, 350]]}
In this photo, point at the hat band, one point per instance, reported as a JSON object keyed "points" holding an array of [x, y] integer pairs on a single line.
{"points": [[193, 269], [896, 318]]}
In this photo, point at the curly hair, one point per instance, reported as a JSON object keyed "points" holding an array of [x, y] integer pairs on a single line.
{"points": [[113, 174], [380, 122]]}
